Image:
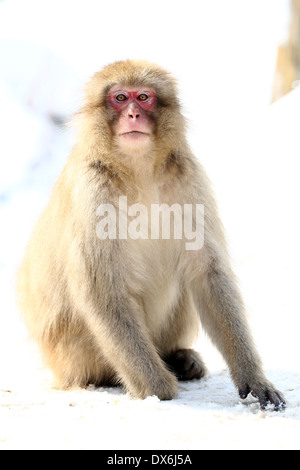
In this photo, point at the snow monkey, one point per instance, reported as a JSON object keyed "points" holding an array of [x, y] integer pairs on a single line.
{"points": [[110, 307]]}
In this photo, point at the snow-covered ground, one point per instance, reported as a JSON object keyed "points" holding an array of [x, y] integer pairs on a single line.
{"points": [[252, 157]]}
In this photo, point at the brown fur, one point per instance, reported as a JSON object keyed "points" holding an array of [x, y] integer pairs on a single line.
{"points": [[120, 310]]}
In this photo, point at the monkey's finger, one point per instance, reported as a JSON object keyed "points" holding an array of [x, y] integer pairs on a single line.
{"points": [[277, 400], [244, 392], [263, 399]]}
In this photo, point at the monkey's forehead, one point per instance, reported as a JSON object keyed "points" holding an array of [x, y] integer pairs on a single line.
{"points": [[134, 72], [130, 89]]}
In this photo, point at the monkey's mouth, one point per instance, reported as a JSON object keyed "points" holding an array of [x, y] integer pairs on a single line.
{"points": [[134, 134]]}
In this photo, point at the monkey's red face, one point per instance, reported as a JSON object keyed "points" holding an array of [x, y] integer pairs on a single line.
{"points": [[134, 108]]}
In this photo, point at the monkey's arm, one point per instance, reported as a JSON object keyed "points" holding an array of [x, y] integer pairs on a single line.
{"points": [[222, 315]]}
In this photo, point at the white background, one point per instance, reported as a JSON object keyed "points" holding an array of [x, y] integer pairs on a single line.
{"points": [[223, 55]]}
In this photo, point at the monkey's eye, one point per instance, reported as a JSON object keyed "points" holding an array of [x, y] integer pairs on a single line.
{"points": [[143, 97], [121, 98]]}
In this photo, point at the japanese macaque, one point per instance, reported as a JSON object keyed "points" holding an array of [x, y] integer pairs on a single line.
{"points": [[126, 309]]}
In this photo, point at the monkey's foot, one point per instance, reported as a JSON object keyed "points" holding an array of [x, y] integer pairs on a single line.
{"points": [[186, 364]]}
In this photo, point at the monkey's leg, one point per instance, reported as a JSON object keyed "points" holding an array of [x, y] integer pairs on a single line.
{"points": [[72, 354], [222, 315], [186, 364], [127, 348], [106, 354]]}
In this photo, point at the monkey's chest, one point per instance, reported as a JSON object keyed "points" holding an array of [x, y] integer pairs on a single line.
{"points": [[156, 279]]}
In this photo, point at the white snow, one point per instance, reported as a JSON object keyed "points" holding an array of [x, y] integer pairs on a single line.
{"points": [[251, 152]]}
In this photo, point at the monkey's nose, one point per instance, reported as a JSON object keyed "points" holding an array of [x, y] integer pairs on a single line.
{"points": [[133, 112], [133, 115]]}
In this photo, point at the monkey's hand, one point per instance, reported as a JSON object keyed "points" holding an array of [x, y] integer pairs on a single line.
{"points": [[266, 394], [162, 384]]}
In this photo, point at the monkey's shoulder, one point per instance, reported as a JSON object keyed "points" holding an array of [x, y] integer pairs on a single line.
{"points": [[86, 181], [101, 172], [180, 164]]}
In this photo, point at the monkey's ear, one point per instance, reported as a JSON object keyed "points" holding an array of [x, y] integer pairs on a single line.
{"points": [[96, 90]]}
